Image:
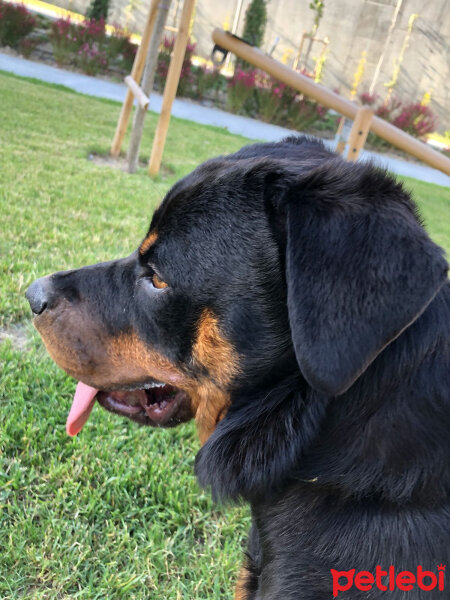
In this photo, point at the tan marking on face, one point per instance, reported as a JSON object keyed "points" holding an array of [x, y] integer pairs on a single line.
{"points": [[240, 592], [74, 341], [209, 405], [158, 282], [211, 350], [134, 359], [83, 348], [148, 242], [131, 358]]}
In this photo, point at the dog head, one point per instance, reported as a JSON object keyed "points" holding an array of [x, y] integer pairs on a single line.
{"points": [[280, 260]]}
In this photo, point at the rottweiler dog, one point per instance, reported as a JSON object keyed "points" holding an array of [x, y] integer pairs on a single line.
{"points": [[294, 306]]}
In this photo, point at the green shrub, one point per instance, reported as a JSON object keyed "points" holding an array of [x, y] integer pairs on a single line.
{"points": [[80, 44], [121, 51], [98, 9], [27, 45], [87, 46], [254, 27], [255, 22], [255, 93], [241, 88], [207, 80], [16, 22], [412, 117], [186, 84], [91, 59]]}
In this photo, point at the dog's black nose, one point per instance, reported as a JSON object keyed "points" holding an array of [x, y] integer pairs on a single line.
{"points": [[37, 295]]}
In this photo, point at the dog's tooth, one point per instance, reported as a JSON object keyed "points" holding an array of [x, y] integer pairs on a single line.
{"points": [[156, 384]]}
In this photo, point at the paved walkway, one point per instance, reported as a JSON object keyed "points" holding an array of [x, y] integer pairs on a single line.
{"points": [[184, 109]]}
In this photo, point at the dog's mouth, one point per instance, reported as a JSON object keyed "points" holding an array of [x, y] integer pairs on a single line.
{"points": [[158, 405]]}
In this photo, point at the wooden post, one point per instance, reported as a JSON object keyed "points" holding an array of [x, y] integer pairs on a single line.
{"points": [[136, 74], [359, 132], [147, 84], [140, 96], [296, 80], [340, 141], [170, 89]]}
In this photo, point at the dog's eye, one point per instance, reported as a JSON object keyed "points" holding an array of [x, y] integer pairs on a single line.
{"points": [[157, 282]]}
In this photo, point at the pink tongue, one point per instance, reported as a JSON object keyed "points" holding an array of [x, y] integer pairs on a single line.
{"points": [[82, 404]]}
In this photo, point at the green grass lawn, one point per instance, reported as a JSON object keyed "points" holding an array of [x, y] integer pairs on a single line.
{"points": [[115, 512]]}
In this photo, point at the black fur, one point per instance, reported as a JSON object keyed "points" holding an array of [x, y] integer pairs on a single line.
{"points": [[338, 305], [350, 468]]}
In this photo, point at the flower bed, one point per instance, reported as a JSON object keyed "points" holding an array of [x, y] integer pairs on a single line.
{"points": [[16, 22], [415, 118], [256, 94], [87, 46]]}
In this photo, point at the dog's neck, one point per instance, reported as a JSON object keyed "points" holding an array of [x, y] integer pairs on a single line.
{"points": [[266, 442]]}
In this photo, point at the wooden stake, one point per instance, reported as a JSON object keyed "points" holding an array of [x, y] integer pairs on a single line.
{"points": [[170, 89], [360, 130], [147, 84], [340, 142], [296, 80], [142, 99], [136, 74]]}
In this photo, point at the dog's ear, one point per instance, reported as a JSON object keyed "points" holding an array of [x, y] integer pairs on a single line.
{"points": [[359, 266]]}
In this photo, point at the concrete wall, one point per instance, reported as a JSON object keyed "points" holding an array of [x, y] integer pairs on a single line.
{"points": [[352, 26]]}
